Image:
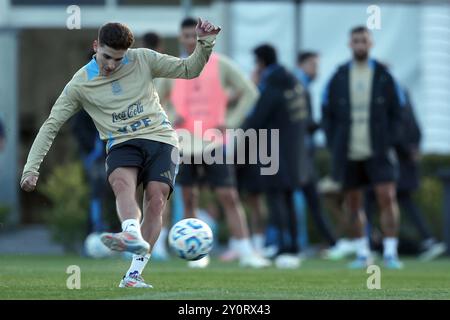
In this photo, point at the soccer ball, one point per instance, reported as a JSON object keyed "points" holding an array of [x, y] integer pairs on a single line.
{"points": [[95, 248], [191, 239]]}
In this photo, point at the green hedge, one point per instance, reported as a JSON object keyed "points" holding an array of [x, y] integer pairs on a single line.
{"points": [[67, 218]]}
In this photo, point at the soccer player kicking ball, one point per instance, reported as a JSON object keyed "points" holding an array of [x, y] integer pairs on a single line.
{"points": [[116, 89]]}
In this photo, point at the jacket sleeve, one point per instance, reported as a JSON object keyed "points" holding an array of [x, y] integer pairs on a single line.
{"points": [[246, 91], [166, 66], [396, 111], [328, 117], [409, 133]]}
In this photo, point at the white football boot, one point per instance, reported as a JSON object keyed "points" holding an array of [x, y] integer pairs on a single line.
{"points": [[134, 280], [126, 241]]}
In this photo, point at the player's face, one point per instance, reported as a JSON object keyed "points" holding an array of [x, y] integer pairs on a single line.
{"points": [[360, 43], [108, 59], [311, 67], [188, 39]]}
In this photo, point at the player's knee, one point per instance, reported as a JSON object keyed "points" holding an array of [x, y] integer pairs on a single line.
{"points": [[120, 185], [156, 198]]}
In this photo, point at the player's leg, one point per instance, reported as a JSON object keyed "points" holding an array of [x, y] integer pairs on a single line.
{"points": [[249, 185], [390, 221], [155, 197], [229, 200], [123, 181], [158, 176], [190, 200], [382, 176], [357, 224], [222, 178], [315, 209], [355, 178], [254, 201], [187, 178], [160, 251]]}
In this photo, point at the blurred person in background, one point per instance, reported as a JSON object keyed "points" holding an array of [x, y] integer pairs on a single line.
{"points": [[116, 89], [362, 118], [306, 72], [282, 106], [251, 191], [408, 156], [205, 101], [153, 41]]}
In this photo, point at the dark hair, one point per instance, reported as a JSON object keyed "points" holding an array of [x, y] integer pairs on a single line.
{"points": [[359, 29], [266, 54], [115, 35], [90, 54], [151, 40], [305, 55], [188, 22]]}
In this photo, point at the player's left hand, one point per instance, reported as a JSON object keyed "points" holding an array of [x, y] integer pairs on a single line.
{"points": [[206, 28]]}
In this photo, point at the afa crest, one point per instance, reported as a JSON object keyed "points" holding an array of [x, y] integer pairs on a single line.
{"points": [[116, 88]]}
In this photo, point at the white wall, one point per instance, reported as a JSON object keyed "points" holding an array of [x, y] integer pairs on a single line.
{"points": [[254, 23]]}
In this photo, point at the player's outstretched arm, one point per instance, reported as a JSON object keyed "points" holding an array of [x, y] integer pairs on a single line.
{"points": [[166, 66], [65, 106]]}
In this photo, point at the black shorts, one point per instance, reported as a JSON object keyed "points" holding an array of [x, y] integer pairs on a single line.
{"points": [[371, 172], [152, 158], [249, 178], [215, 175]]}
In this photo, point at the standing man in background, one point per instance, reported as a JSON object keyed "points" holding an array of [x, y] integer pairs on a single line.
{"points": [[281, 106], [362, 118]]}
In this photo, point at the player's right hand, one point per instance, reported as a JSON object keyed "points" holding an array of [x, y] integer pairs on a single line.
{"points": [[29, 183]]}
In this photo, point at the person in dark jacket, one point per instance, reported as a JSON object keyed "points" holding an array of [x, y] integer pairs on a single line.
{"points": [[281, 106], [361, 117], [407, 151]]}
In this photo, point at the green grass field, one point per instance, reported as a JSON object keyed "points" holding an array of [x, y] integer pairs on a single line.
{"points": [[44, 277]]}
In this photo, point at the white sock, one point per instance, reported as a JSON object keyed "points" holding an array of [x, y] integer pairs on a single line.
{"points": [[160, 244], [138, 263], [132, 225], [390, 247], [244, 247], [362, 247], [258, 241]]}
